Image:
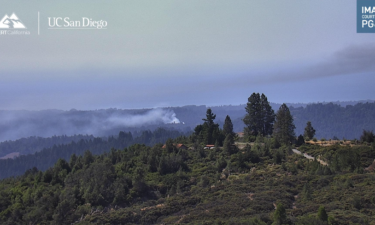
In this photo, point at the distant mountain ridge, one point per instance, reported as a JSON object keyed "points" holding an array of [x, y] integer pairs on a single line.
{"points": [[341, 121], [328, 119], [30, 145], [344, 119]]}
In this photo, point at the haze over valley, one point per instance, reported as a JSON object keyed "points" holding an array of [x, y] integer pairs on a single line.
{"points": [[338, 119]]}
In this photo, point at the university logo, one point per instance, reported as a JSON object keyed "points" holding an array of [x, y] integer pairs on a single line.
{"points": [[11, 22]]}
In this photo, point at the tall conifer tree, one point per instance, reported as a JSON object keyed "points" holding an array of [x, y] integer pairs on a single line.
{"points": [[228, 126], [284, 126], [309, 131], [260, 116], [211, 129]]}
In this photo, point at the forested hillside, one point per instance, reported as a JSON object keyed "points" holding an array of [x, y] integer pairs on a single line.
{"points": [[155, 185], [339, 119], [331, 120], [47, 157], [33, 144]]}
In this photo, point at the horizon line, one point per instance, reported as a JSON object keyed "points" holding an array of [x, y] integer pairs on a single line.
{"points": [[165, 107]]}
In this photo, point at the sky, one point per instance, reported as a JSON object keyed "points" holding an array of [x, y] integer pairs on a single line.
{"points": [[174, 53]]}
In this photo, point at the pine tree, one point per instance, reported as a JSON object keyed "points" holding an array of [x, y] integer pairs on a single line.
{"points": [[309, 131], [210, 129], [300, 140], [284, 126], [260, 116], [228, 126], [268, 116], [210, 116], [253, 116]]}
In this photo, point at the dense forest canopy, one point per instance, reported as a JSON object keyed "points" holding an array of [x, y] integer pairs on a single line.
{"points": [[47, 157], [31, 145], [139, 184]]}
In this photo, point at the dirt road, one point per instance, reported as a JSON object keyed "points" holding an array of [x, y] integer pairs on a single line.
{"points": [[309, 157]]}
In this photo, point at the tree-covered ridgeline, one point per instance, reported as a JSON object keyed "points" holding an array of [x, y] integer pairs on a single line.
{"points": [[31, 145], [328, 119], [208, 133], [331, 120], [48, 156]]}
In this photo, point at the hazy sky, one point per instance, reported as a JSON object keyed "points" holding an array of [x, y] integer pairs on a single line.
{"points": [[174, 53]]}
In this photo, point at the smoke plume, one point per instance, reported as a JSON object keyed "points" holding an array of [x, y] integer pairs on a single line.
{"points": [[46, 123]]}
